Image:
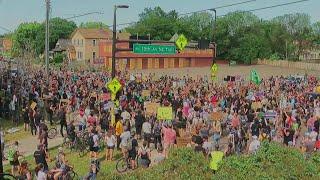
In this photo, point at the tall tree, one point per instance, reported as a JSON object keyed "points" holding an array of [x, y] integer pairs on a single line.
{"points": [[159, 24], [60, 29], [94, 25]]}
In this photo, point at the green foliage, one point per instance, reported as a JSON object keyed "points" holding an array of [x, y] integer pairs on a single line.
{"points": [[93, 25], [58, 58], [29, 38], [273, 161], [182, 163]]}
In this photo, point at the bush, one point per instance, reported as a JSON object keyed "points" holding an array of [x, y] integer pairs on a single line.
{"points": [[58, 58], [272, 161]]}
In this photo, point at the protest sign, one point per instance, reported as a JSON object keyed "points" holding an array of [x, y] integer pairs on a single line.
{"points": [[256, 105], [145, 93], [216, 116], [33, 105], [164, 113], [151, 108]]}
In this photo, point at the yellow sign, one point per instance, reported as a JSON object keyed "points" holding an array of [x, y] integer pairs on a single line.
{"points": [[318, 89], [164, 113], [151, 108], [214, 68], [145, 93], [114, 86], [181, 42], [33, 105]]}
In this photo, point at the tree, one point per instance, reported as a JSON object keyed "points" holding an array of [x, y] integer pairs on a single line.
{"points": [[298, 26], [60, 29], [94, 25], [25, 39], [159, 24]]}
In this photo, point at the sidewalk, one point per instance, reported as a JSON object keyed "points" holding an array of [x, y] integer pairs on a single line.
{"points": [[28, 145]]}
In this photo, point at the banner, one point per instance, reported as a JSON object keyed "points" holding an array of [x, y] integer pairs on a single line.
{"points": [[256, 105], [151, 108], [164, 113], [254, 77]]}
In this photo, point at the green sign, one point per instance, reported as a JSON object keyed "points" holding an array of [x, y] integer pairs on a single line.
{"points": [[181, 42], [153, 49]]}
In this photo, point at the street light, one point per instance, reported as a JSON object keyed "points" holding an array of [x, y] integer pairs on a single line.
{"points": [[213, 35], [114, 35]]}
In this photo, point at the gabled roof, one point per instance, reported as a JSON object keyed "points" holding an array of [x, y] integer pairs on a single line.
{"points": [[93, 33]]}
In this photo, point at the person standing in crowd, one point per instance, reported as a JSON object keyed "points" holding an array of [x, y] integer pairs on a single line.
{"points": [[13, 158], [40, 156], [145, 155], [110, 141], [26, 119], [254, 145], [63, 119], [125, 140], [119, 131], [139, 121], [133, 151], [169, 137], [146, 131], [94, 144], [157, 135]]}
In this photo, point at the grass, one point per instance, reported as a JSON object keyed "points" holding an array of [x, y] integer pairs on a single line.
{"points": [[10, 138], [80, 164]]}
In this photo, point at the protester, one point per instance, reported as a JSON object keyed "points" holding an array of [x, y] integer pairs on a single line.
{"points": [[110, 141], [40, 156]]}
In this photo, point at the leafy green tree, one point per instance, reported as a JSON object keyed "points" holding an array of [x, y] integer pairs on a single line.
{"points": [[159, 24], [25, 39], [94, 25], [60, 29]]}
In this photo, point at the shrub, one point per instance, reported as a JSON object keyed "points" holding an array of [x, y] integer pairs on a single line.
{"points": [[272, 161]]}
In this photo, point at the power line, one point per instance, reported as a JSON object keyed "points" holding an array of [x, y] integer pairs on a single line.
{"points": [[219, 7], [85, 14]]}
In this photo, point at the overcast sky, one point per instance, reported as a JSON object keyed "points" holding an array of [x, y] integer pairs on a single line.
{"points": [[14, 12]]}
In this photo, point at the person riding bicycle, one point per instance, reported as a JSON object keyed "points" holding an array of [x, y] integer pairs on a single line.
{"points": [[61, 165]]}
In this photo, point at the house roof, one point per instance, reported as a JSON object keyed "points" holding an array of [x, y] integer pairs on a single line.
{"points": [[62, 44], [93, 33], [123, 36]]}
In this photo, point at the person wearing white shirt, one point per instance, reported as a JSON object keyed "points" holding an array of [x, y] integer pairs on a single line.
{"points": [[146, 131], [125, 115]]}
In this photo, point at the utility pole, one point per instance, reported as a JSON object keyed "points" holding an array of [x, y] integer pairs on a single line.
{"points": [[114, 38], [47, 37], [286, 50], [1, 155], [213, 36]]}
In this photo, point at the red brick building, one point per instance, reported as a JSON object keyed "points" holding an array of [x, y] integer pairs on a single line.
{"points": [[186, 58]]}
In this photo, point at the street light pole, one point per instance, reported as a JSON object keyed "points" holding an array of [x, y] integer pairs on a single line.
{"points": [[114, 36], [1, 156], [47, 36], [213, 36]]}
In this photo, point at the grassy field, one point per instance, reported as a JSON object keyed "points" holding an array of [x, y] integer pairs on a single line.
{"points": [[10, 138]]}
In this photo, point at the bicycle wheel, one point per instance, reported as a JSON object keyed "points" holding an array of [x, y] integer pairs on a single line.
{"points": [[4, 176], [122, 165], [52, 133]]}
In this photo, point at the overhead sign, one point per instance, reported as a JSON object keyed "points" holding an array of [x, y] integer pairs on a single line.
{"points": [[181, 42], [153, 49], [114, 86]]}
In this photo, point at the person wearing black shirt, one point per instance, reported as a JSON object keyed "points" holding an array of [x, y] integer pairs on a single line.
{"points": [[139, 122], [255, 128], [63, 120], [133, 152], [317, 125], [40, 157]]}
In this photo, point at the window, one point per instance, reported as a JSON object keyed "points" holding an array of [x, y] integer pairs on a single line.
{"points": [[79, 55], [81, 42], [93, 55], [94, 42], [78, 42], [74, 42]]}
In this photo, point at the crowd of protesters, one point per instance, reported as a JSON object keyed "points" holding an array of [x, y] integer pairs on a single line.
{"points": [[281, 109]]}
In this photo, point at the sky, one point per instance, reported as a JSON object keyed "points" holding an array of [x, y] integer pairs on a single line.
{"points": [[14, 12]]}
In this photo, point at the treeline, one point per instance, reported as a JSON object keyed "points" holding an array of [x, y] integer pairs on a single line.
{"points": [[241, 36]]}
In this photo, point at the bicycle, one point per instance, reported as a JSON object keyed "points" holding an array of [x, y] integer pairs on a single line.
{"points": [[79, 145], [6, 176], [123, 164], [70, 174], [53, 131]]}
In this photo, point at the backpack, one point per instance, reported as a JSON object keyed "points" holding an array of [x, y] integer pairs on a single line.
{"points": [[91, 141]]}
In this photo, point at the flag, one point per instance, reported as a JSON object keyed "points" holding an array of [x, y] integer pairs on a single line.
{"points": [[254, 77]]}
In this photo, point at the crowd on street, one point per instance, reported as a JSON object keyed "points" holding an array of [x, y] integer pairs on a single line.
{"points": [[221, 118]]}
